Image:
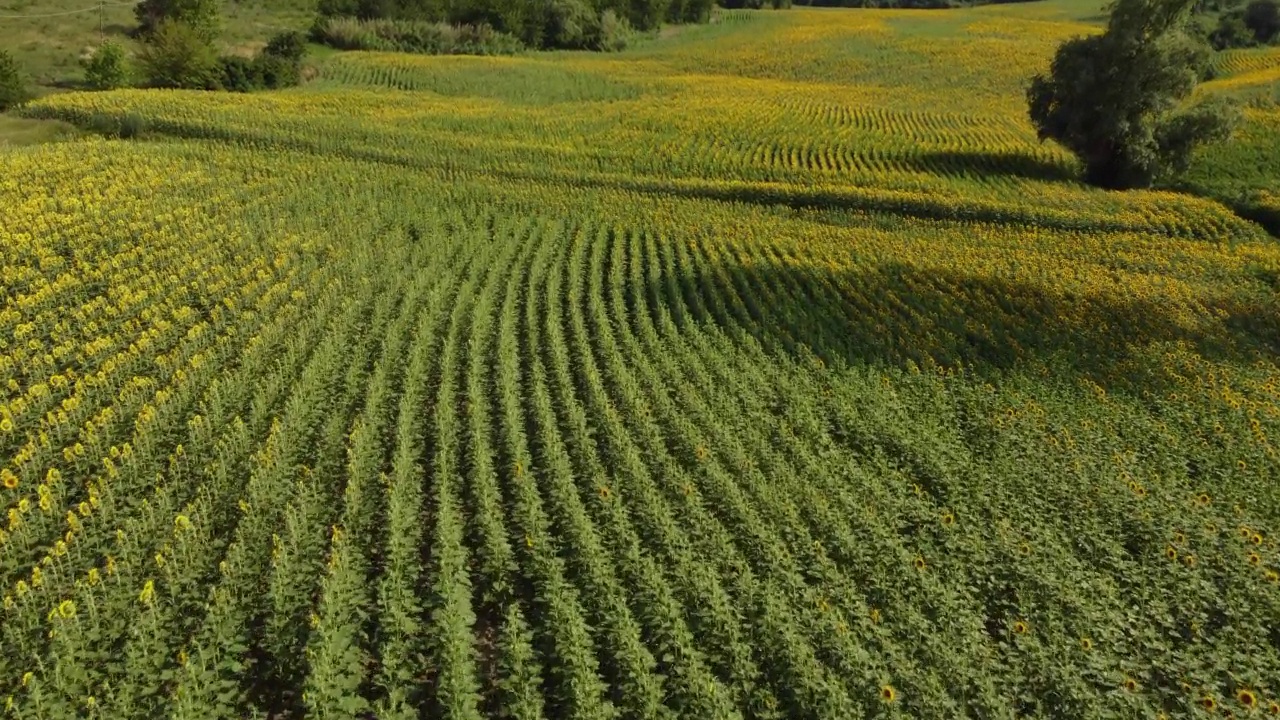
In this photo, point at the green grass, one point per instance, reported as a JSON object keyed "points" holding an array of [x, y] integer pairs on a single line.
{"points": [[16, 131]]}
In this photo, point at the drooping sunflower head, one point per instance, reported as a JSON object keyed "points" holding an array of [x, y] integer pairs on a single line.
{"points": [[1247, 698]]}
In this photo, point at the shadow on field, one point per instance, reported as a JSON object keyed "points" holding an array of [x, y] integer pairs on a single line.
{"points": [[897, 315], [1017, 165]]}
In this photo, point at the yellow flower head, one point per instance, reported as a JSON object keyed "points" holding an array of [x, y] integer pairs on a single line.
{"points": [[1247, 698], [1131, 685], [888, 693], [948, 519], [8, 479], [1021, 627], [919, 563], [67, 609], [148, 593], [1208, 703], [1086, 644], [1171, 553]]}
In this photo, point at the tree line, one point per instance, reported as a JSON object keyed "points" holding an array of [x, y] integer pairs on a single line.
{"points": [[537, 24]]}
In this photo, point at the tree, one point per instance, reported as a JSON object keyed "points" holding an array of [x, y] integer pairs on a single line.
{"points": [[1263, 18], [1118, 100], [201, 15], [106, 69], [13, 83], [176, 55]]}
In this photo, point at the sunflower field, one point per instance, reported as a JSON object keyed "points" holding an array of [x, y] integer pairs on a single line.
{"points": [[770, 369]]}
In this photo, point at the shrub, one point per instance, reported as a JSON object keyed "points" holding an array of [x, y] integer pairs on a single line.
{"points": [[277, 72], [414, 37], [1262, 18], [178, 56], [287, 45], [203, 16], [106, 69], [14, 89], [615, 32], [239, 74], [1231, 32]]}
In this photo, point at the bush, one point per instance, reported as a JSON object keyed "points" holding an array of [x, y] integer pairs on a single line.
{"points": [[277, 72], [290, 46], [1231, 32], [14, 89], [1262, 18], [106, 69], [239, 74], [178, 56], [203, 16], [615, 32], [413, 37]]}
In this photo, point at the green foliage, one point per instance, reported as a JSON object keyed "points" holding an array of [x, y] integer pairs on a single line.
{"points": [[203, 16], [14, 89], [615, 32], [239, 74], [1262, 17], [291, 45], [1115, 99], [411, 36], [106, 68], [1231, 32], [177, 55]]}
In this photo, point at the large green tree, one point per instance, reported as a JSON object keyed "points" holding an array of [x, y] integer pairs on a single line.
{"points": [[1119, 100]]}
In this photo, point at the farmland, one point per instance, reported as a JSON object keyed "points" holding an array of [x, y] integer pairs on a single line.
{"points": [[769, 369]]}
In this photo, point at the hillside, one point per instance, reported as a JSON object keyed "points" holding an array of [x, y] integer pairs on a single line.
{"points": [[770, 369]]}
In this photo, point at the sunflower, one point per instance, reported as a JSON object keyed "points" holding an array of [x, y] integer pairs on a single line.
{"points": [[1245, 532], [919, 563], [948, 519], [1247, 698], [1254, 558], [1131, 685], [67, 609], [1086, 644], [1021, 627], [888, 693], [1179, 539], [1256, 538], [1203, 499], [1273, 707], [1189, 560], [1272, 576], [1208, 703], [1171, 553], [10, 480], [1241, 464]]}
